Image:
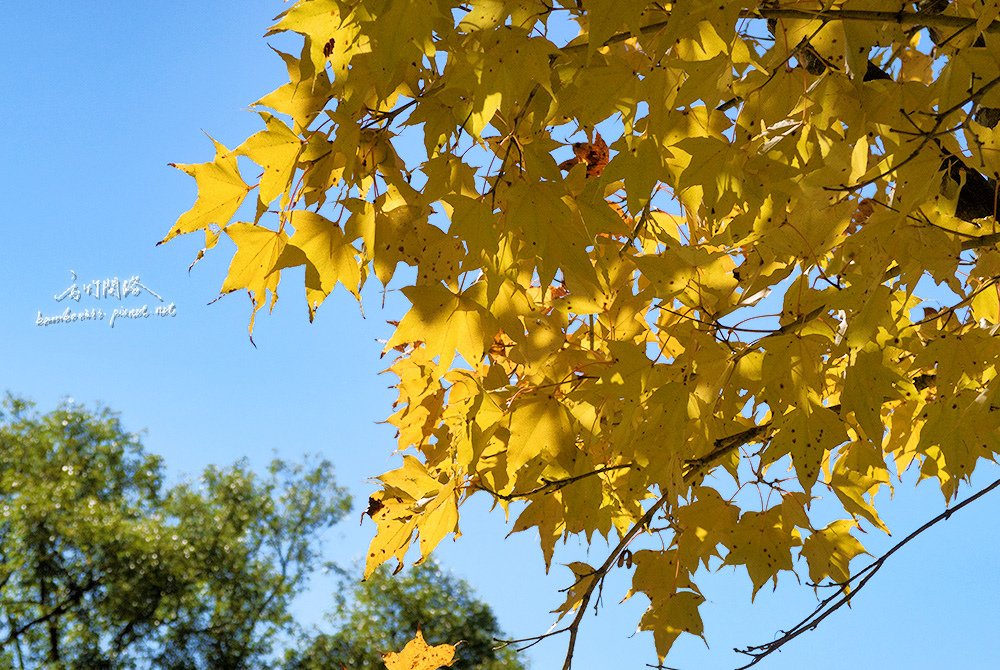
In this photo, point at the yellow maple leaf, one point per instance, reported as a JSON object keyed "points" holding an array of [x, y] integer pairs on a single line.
{"points": [[851, 485], [411, 480], [275, 149], [413, 494], [544, 512], [418, 655], [396, 523], [808, 435], [705, 523], [257, 253], [659, 575], [762, 541], [583, 577], [447, 322], [829, 551], [221, 191], [671, 617], [438, 517], [538, 427], [300, 98], [330, 36], [327, 252]]}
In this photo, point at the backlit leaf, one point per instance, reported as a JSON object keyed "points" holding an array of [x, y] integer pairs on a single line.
{"points": [[418, 655], [221, 190]]}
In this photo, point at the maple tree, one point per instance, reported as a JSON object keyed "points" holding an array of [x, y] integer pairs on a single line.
{"points": [[658, 255]]}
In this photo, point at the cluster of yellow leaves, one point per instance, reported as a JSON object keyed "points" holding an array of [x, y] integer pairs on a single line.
{"points": [[726, 288]]}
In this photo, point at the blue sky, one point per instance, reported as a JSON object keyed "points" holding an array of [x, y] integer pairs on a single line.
{"points": [[97, 99]]}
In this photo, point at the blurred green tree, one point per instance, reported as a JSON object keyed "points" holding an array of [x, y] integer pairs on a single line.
{"points": [[103, 566], [384, 613]]}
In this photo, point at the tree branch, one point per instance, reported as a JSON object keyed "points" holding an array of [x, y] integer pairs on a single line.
{"points": [[844, 592], [872, 16], [554, 484], [726, 445], [695, 468], [826, 16], [60, 609], [599, 574]]}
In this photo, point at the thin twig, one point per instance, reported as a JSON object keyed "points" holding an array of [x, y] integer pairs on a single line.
{"points": [[847, 590], [824, 15], [553, 484]]}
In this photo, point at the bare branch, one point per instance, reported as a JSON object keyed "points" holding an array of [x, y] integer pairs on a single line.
{"points": [[850, 588]]}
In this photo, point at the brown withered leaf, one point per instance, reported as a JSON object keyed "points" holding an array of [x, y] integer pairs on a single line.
{"points": [[500, 344], [374, 506], [594, 154], [863, 212]]}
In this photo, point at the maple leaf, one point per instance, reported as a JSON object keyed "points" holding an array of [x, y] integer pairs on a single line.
{"points": [[762, 541], [594, 155], [276, 150], [538, 426], [418, 655], [329, 254], [809, 435], [257, 252], [396, 522], [706, 522], [221, 190], [468, 330], [678, 614], [304, 96], [544, 513], [829, 552]]}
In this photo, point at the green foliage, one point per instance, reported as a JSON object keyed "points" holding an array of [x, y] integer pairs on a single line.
{"points": [[103, 566], [386, 611]]}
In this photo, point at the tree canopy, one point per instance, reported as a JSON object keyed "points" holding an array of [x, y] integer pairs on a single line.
{"points": [[675, 269], [385, 611], [103, 566]]}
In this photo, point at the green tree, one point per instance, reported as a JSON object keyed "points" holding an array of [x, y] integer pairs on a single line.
{"points": [[384, 612], [103, 566]]}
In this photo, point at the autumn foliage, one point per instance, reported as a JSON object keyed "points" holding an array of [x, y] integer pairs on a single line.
{"points": [[657, 254]]}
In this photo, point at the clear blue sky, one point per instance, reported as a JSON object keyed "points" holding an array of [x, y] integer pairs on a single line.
{"points": [[97, 98]]}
